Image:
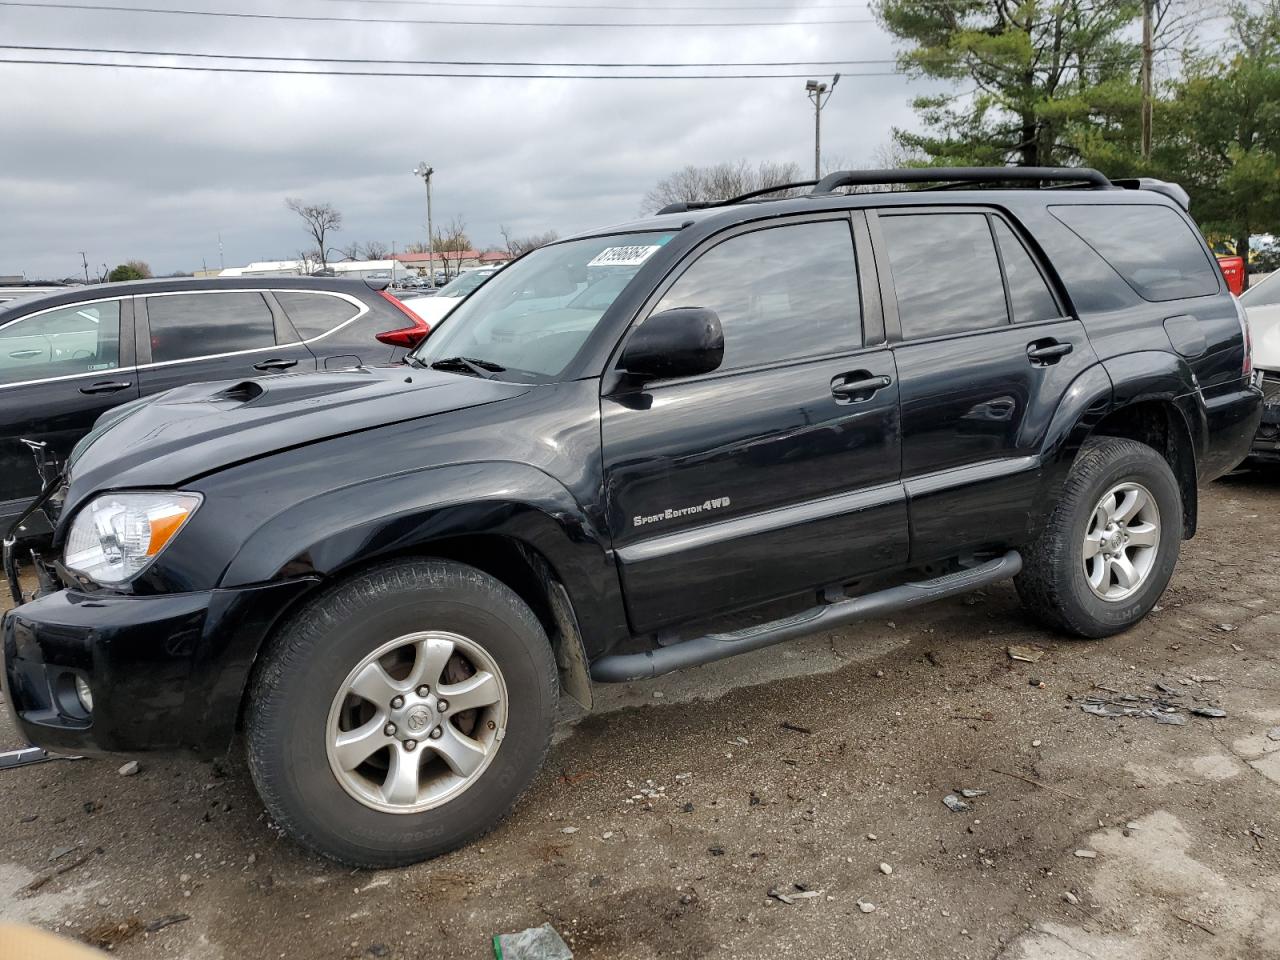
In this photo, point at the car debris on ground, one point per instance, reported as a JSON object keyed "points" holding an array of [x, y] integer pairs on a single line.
{"points": [[1168, 708], [1026, 653], [536, 943]]}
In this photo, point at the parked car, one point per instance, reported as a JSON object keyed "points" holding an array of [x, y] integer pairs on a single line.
{"points": [[450, 295], [68, 356], [1262, 303], [778, 417], [25, 291]]}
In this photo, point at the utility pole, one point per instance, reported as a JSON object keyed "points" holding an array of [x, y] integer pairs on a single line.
{"points": [[425, 172], [819, 93], [1147, 45], [222, 264], [85, 261]]}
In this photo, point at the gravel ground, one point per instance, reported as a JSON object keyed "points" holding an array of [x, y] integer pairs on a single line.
{"points": [[663, 821]]}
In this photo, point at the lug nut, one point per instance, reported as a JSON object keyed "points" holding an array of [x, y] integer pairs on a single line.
{"points": [[397, 703], [442, 705], [423, 690], [389, 729], [437, 733], [410, 744]]}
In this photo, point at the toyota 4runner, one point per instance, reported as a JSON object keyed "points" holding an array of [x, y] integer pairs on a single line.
{"points": [[630, 452]]}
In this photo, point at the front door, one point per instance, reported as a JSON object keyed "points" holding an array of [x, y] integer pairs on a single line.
{"points": [[60, 369], [778, 473], [985, 351], [198, 335]]}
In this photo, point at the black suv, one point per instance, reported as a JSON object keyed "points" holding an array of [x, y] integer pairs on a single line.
{"points": [[629, 452], [68, 356]]}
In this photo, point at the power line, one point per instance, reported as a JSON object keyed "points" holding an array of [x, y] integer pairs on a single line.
{"points": [[402, 74], [404, 21], [443, 63]]}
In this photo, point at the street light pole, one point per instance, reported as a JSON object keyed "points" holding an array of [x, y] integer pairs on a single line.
{"points": [[819, 93], [425, 172]]}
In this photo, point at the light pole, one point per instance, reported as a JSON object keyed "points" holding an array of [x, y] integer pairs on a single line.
{"points": [[819, 93], [425, 172]]}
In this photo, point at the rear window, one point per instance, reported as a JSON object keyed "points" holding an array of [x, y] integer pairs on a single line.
{"points": [[314, 314], [1153, 248], [945, 273]]}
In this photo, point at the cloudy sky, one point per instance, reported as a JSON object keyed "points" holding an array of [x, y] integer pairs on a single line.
{"points": [[152, 165]]}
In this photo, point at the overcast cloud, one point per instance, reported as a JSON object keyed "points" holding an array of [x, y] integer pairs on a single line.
{"points": [[127, 164]]}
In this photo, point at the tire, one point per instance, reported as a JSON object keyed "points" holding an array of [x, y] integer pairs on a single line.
{"points": [[1054, 583], [295, 719]]}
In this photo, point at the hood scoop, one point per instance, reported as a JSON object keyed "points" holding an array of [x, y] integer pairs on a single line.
{"points": [[239, 392]]}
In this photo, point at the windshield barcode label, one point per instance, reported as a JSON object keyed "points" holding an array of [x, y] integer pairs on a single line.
{"points": [[622, 256]]}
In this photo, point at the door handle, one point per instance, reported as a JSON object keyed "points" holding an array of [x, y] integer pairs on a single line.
{"points": [[23, 354], [107, 386], [858, 386], [1042, 352], [275, 364]]}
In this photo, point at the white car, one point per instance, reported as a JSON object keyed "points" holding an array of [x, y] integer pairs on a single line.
{"points": [[433, 307], [1262, 303]]}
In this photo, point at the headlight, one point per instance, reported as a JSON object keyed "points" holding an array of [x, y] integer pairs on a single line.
{"points": [[117, 535]]}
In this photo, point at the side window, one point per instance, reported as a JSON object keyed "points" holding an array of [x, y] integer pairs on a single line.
{"points": [[190, 325], [314, 314], [84, 338], [1028, 293], [1152, 247], [945, 273], [781, 293]]}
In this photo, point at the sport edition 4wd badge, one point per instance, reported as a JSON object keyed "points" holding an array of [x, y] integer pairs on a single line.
{"points": [[718, 503]]}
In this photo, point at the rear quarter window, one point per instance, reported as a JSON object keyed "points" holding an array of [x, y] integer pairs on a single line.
{"points": [[1153, 248], [315, 314]]}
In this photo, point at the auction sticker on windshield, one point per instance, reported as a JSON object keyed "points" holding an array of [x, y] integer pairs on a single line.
{"points": [[631, 256]]}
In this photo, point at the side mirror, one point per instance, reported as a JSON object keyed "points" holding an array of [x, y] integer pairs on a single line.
{"points": [[682, 342]]}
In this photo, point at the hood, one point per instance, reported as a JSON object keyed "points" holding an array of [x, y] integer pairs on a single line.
{"points": [[188, 431], [1264, 328]]}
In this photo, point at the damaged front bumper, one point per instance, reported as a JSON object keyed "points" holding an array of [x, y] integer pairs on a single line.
{"points": [[1266, 442], [161, 673]]}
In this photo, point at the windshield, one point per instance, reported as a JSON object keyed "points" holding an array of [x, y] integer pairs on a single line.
{"points": [[533, 317], [1262, 293]]}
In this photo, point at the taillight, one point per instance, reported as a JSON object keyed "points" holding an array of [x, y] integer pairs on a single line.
{"points": [[1247, 369], [407, 337]]}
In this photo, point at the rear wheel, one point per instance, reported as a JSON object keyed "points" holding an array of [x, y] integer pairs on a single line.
{"points": [[402, 713], [1109, 548]]}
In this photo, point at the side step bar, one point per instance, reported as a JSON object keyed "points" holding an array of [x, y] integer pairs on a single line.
{"points": [[619, 668]]}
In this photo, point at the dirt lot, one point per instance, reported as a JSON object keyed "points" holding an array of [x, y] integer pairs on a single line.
{"points": [[662, 822]]}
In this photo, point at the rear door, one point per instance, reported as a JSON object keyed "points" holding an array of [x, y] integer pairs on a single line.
{"points": [[775, 474], [60, 368], [985, 351], [198, 335]]}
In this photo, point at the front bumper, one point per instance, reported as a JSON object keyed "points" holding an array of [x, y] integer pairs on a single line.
{"points": [[1266, 442], [166, 672]]}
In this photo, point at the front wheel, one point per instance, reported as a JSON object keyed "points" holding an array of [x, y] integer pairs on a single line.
{"points": [[1109, 548], [400, 714]]}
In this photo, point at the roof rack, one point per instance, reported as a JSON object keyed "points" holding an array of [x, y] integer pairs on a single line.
{"points": [[847, 178], [703, 204]]}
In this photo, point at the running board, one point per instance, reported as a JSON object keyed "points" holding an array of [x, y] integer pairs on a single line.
{"points": [[619, 668]]}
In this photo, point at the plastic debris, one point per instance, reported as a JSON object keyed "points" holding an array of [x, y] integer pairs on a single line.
{"points": [[968, 793], [158, 924], [955, 804], [1087, 854], [536, 943], [1025, 653]]}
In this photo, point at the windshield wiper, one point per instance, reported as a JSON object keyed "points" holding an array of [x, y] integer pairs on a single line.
{"points": [[481, 368]]}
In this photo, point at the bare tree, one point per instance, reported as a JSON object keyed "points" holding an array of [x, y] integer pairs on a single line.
{"points": [[351, 251], [519, 246], [720, 182], [320, 218], [376, 250], [452, 240]]}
